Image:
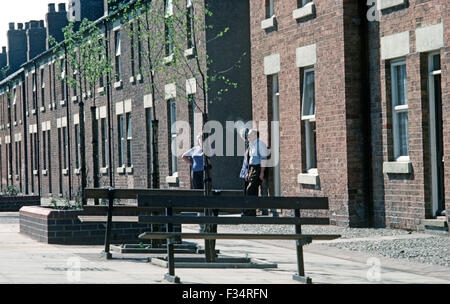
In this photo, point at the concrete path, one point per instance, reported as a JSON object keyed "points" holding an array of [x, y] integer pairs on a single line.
{"points": [[23, 260]]}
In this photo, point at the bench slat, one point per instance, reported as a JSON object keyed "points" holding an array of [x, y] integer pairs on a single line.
{"points": [[103, 219], [99, 193], [232, 202], [216, 236], [148, 219]]}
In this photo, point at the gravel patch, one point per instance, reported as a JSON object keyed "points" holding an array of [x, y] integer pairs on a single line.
{"points": [[433, 249]]}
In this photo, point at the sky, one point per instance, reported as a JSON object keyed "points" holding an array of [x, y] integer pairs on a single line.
{"points": [[21, 11]]}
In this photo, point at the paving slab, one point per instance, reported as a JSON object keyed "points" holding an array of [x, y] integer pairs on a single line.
{"points": [[23, 260]]}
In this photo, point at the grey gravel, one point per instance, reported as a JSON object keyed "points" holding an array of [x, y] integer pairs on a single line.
{"points": [[433, 248]]}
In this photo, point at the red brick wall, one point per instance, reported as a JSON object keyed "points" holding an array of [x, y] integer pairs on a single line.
{"points": [[337, 102], [402, 200]]}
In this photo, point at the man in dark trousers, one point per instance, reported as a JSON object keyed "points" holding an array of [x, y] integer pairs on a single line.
{"points": [[257, 155]]}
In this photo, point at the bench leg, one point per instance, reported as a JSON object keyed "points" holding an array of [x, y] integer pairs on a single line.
{"points": [[107, 252], [170, 253], [300, 276], [303, 279]]}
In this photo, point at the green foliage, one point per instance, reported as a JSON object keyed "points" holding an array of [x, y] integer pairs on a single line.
{"points": [[85, 55], [11, 190]]}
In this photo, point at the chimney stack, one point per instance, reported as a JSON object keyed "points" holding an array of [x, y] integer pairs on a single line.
{"points": [[17, 47], [56, 21], [36, 39]]}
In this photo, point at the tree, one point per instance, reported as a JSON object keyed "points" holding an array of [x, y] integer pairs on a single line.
{"points": [[85, 54], [175, 36]]}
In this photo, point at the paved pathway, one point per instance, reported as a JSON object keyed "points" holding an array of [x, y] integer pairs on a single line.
{"points": [[23, 260]]}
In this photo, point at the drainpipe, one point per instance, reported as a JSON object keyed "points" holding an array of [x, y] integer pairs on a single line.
{"points": [[108, 99], [38, 122], [25, 128], [68, 124], [365, 113]]}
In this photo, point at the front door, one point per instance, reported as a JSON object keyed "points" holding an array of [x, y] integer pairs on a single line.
{"points": [[436, 141]]}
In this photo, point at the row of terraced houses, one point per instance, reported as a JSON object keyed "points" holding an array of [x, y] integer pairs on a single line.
{"points": [[360, 90]]}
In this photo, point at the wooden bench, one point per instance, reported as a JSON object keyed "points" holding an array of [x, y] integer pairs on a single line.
{"points": [[131, 211], [175, 205]]}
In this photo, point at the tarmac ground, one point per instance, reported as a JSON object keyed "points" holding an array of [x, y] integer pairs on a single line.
{"points": [[25, 261]]}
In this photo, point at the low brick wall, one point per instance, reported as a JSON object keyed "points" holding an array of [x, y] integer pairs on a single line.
{"points": [[63, 227], [14, 203]]}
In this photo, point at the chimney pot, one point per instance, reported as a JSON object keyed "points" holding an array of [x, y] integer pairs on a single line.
{"points": [[20, 26], [51, 7], [12, 25], [61, 7]]}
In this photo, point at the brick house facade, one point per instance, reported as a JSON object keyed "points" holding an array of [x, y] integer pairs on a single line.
{"points": [[361, 100], [48, 116], [342, 146]]}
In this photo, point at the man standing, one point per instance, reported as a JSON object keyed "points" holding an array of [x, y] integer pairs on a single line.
{"points": [[258, 153], [194, 157]]}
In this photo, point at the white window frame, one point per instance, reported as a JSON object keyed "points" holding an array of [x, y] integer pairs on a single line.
{"points": [[168, 8], [77, 145], [308, 119], [398, 109], [302, 3], [129, 138], [173, 137], [118, 53], [104, 141], [269, 10], [121, 125]]}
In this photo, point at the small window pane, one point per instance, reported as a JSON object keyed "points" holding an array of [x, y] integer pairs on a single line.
{"points": [[403, 134], [400, 81], [308, 94], [436, 62]]}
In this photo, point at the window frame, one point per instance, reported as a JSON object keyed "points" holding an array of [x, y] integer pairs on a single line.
{"points": [[309, 120], [398, 109]]}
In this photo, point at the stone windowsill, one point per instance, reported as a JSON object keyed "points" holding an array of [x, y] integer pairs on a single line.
{"points": [[17, 177], [397, 167], [62, 102], [138, 77], [308, 10], [74, 98], [172, 179], [15, 123], [168, 59], [35, 172], [130, 170], [77, 171], [42, 109], [65, 172], [9, 176], [120, 170], [27, 113], [308, 179], [101, 90], [189, 52], [132, 80], [104, 170], [33, 112], [118, 84], [387, 4], [268, 23], [44, 172]]}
